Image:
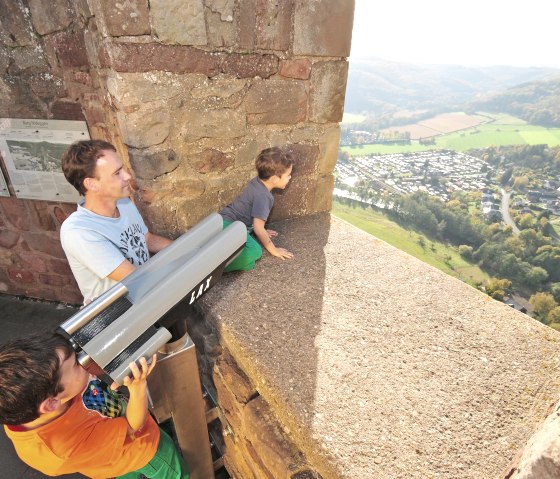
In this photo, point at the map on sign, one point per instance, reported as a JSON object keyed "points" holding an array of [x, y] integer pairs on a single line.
{"points": [[32, 149]]}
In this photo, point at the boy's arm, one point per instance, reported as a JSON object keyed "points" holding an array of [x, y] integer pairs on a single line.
{"points": [[137, 408], [264, 238]]}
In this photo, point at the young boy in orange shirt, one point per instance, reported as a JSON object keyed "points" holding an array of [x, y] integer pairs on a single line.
{"points": [[61, 423]]}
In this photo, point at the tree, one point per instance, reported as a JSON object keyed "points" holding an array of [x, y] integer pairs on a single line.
{"points": [[536, 276], [554, 315], [543, 303], [466, 251]]}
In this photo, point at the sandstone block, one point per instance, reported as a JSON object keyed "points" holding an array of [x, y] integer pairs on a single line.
{"points": [[247, 23], [299, 68], [274, 25], [33, 262], [305, 158], [27, 60], [323, 27], [20, 275], [148, 126], [295, 199], [223, 7], [212, 161], [276, 101], [16, 26], [49, 17], [126, 18], [322, 200], [41, 216], [220, 33], [145, 57], [250, 65], [149, 164], [46, 86], [328, 87], [67, 110], [8, 239], [44, 244], [60, 267], [179, 22], [70, 294], [329, 143], [265, 436], [53, 279], [224, 123], [15, 212], [70, 48], [234, 378]]}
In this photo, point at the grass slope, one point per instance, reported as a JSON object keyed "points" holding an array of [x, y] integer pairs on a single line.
{"points": [[381, 227]]}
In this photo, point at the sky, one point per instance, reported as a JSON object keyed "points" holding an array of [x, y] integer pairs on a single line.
{"points": [[459, 32]]}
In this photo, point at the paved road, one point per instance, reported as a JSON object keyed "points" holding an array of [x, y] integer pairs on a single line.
{"points": [[505, 211]]}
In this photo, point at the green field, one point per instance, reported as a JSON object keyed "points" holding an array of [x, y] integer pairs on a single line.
{"points": [[352, 118], [381, 227], [502, 130]]}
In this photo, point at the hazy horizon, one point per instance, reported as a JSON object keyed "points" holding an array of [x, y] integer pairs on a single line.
{"points": [[477, 33]]}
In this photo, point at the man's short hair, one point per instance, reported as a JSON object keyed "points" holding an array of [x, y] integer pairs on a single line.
{"points": [[80, 159], [29, 374], [273, 161]]}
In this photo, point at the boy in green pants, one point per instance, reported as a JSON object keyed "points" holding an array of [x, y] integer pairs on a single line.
{"points": [[60, 422], [253, 205]]}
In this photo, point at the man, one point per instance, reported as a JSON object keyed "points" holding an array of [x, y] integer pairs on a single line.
{"points": [[106, 239]]}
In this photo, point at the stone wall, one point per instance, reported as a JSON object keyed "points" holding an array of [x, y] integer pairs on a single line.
{"points": [[189, 91]]}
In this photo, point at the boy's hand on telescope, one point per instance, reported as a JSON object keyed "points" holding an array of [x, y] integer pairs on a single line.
{"points": [[139, 373]]}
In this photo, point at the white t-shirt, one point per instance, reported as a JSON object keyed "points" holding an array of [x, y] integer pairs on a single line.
{"points": [[95, 245]]}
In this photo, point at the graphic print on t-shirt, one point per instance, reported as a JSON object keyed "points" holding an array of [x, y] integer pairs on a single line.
{"points": [[133, 245]]}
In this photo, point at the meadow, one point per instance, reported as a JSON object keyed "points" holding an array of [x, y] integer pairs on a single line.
{"points": [[500, 130], [443, 257]]}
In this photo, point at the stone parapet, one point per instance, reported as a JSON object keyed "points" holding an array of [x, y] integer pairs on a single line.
{"points": [[373, 364]]}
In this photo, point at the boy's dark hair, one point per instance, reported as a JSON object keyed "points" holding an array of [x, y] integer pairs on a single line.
{"points": [[273, 161], [29, 374], [80, 159]]}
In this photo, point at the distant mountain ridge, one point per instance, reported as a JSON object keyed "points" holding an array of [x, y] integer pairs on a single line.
{"points": [[383, 88]]}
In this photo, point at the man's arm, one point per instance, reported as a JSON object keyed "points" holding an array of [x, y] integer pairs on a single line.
{"points": [[264, 238], [122, 270], [156, 242]]}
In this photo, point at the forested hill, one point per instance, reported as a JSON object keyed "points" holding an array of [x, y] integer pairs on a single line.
{"points": [[537, 102], [381, 88]]}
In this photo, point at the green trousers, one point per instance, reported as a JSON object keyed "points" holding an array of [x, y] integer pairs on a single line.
{"points": [[249, 255], [166, 464]]}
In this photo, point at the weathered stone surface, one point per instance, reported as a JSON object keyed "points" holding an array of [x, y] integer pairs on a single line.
{"points": [[222, 123], [213, 161], [322, 200], [223, 7], [222, 86], [323, 27], [59, 266], [147, 126], [304, 157], [251, 65], [247, 23], [299, 68], [15, 212], [234, 378], [540, 458], [70, 48], [276, 101], [15, 23], [45, 244], [46, 86], [8, 238], [41, 217], [27, 60], [179, 22], [220, 33], [274, 25], [295, 199], [53, 279], [33, 262], [20, 275], [145, 57], [328, 149], [18, 101], [67, 110], [149, 164], [126, 18], [49, 17], [328, 87], [95, 108]]}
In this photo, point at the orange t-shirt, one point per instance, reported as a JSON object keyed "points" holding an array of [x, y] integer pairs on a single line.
{"points": [[84, 441]]}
